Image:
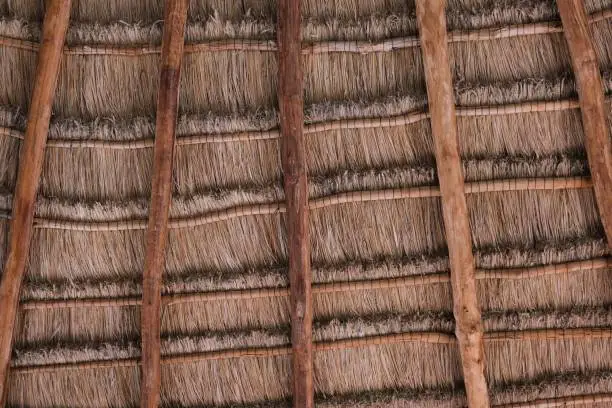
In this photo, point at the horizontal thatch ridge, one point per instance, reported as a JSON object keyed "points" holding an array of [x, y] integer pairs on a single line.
{"points": [[193, 205], [550, 386], [215, 26], [333, 330], [576, 250], [466, 94]]}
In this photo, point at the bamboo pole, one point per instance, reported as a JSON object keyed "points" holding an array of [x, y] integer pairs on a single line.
{"points": [[592, 106], [469, 331], [157, 230], [293, 156], [31, 159]]}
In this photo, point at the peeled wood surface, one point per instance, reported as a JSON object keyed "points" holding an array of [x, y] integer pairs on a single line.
{"points": [[161, 196], [293, 156], [432, 27], [592, 106], [30, 167]]}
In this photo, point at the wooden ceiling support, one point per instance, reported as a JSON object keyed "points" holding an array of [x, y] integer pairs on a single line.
{"points": [[293, 156], [31, 159], [432, 27], [175, 16], [592, 105]]}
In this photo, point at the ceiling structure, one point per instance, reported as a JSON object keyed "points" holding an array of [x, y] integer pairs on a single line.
{"points": [[332, 203]]}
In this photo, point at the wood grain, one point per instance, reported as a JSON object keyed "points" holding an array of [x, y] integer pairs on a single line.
{"points": [[31, 159], [157, 229], [432, 27], [592, 105], [293, 156]]}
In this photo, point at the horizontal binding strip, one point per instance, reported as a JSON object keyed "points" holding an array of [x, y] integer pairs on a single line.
{"points": [[360, 47], [349, 124], [388, 339], [572, 401], [527, 184], [326, 288]]}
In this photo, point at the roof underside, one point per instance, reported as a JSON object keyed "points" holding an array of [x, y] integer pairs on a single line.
{"points": [[88, 245]]}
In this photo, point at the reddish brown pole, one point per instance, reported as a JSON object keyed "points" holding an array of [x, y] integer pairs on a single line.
{"points": [[592, 105], [291, 105], [157, 230], [469, 332], [28, 177]]}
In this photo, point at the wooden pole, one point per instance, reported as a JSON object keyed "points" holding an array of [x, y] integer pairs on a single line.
{"points": [[291, 105], [592, 105], [432, 26], [28, 177], [161, 196]]}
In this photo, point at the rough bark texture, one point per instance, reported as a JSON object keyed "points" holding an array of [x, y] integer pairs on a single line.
{"points": [[161, 196], [469, 331], [592, 105], [30, 167], [291, 104]]}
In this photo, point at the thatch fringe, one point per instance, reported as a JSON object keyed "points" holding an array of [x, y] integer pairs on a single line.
{"points": [[555, 387], [501, 323], [541, 335], [215, 27], [320, 186], [388, 267], [216, 34], [424, 395], [402, 227], [138, 132], [318, 288], [563, 388], [314, 128], [533, 184], [384, 268]]}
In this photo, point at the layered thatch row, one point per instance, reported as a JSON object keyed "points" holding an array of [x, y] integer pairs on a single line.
{"points": [[109, 101], [391, 16], [403, 365], [255, 72], [114, 173], [325, 332], [588, 286]]}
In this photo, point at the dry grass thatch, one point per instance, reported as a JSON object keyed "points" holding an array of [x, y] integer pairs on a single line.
{"points": [[98, 169]]}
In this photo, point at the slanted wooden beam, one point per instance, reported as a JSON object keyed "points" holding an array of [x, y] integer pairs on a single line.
{"points": [[28, 177], [469, 332], [293, 156], [173, 41], [592, 105]]}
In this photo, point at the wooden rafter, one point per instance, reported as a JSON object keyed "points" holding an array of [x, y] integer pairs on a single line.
{"points": [[592, 105], [31, 160], [291, 107], [175, 16], [432, 27]]}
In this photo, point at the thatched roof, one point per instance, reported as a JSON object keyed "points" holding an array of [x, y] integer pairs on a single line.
{"points": [[382, 297]]}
